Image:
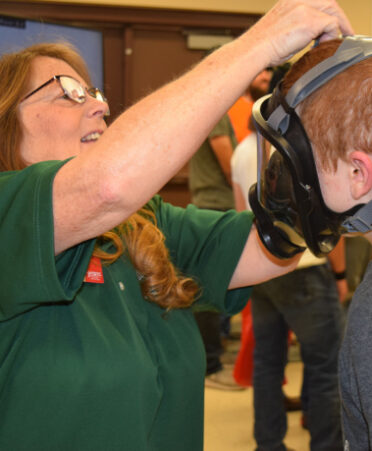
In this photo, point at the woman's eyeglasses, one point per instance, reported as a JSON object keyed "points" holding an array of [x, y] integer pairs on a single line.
{"points": [[72, 89]]}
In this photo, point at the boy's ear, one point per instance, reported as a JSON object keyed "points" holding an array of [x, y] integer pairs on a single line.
{"points": [[361, 173]]}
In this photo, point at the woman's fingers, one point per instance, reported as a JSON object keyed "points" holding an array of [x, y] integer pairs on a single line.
{"points": [[291, 24]]}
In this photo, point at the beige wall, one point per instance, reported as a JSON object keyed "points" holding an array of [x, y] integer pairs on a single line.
{"points": [[360, 14], [358, 11]]}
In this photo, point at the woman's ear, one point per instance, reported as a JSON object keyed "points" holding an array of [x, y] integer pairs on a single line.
{"points": [[360, 173]]}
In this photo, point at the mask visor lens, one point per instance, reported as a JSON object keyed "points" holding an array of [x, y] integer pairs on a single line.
{"points": [[276, 193]]}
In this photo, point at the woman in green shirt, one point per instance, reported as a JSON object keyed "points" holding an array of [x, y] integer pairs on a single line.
{"points": [[98, 345]]}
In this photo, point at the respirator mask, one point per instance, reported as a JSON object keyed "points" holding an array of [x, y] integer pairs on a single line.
{"points": [[287, 200]]}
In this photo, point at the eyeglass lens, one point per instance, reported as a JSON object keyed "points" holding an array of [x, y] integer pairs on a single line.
{"points": [[75, 91], [97, 94]]}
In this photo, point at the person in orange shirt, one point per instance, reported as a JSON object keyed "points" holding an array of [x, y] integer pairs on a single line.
{"points": [[240, 112]]}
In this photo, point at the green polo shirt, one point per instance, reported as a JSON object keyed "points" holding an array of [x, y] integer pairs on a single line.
{"points": [[96, 367]]}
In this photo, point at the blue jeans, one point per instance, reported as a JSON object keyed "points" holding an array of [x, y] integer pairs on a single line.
{"points": [[306, 302]]}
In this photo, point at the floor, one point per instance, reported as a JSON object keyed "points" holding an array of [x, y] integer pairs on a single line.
{"points": [[229, 418], [229, 415]]}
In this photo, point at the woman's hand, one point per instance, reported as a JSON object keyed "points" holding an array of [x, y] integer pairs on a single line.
{"points": [[291, 24]]}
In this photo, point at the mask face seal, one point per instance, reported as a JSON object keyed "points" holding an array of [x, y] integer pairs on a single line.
{"points": [[287, 199]]}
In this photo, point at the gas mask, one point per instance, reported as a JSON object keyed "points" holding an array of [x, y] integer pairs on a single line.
{"points": [[287, 200]]}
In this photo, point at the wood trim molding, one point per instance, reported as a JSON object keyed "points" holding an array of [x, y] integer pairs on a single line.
{"points": [[99, 14]]}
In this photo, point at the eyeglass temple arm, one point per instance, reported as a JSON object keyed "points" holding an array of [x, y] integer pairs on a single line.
{"points": [[40, 87]]}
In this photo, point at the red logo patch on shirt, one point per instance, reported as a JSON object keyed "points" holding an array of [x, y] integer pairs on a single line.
{"points": [[94, 272]]}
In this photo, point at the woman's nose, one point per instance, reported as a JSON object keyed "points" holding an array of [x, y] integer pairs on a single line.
{"points": [[97, 106]]}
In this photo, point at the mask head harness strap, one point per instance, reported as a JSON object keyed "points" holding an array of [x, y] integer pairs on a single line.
{"points": [[352, 50]]}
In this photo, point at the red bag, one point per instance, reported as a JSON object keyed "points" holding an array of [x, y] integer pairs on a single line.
{"points": [[243, 369]]}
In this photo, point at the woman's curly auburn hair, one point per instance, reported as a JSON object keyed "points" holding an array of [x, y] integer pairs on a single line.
{"points": [[138, 236], [336, 116]]}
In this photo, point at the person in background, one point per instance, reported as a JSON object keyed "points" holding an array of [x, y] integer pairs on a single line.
{"points": [[358, 250], [241, 111], [98, 341], [210, 187]]}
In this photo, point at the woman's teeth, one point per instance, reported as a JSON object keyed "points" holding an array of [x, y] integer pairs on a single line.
{"points": [[91, 137]]}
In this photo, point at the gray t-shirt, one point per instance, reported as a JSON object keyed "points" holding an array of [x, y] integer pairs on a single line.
{"points": [[355, 369]]}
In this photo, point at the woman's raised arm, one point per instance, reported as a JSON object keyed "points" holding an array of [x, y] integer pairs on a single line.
{"points": [[152, 140]]}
